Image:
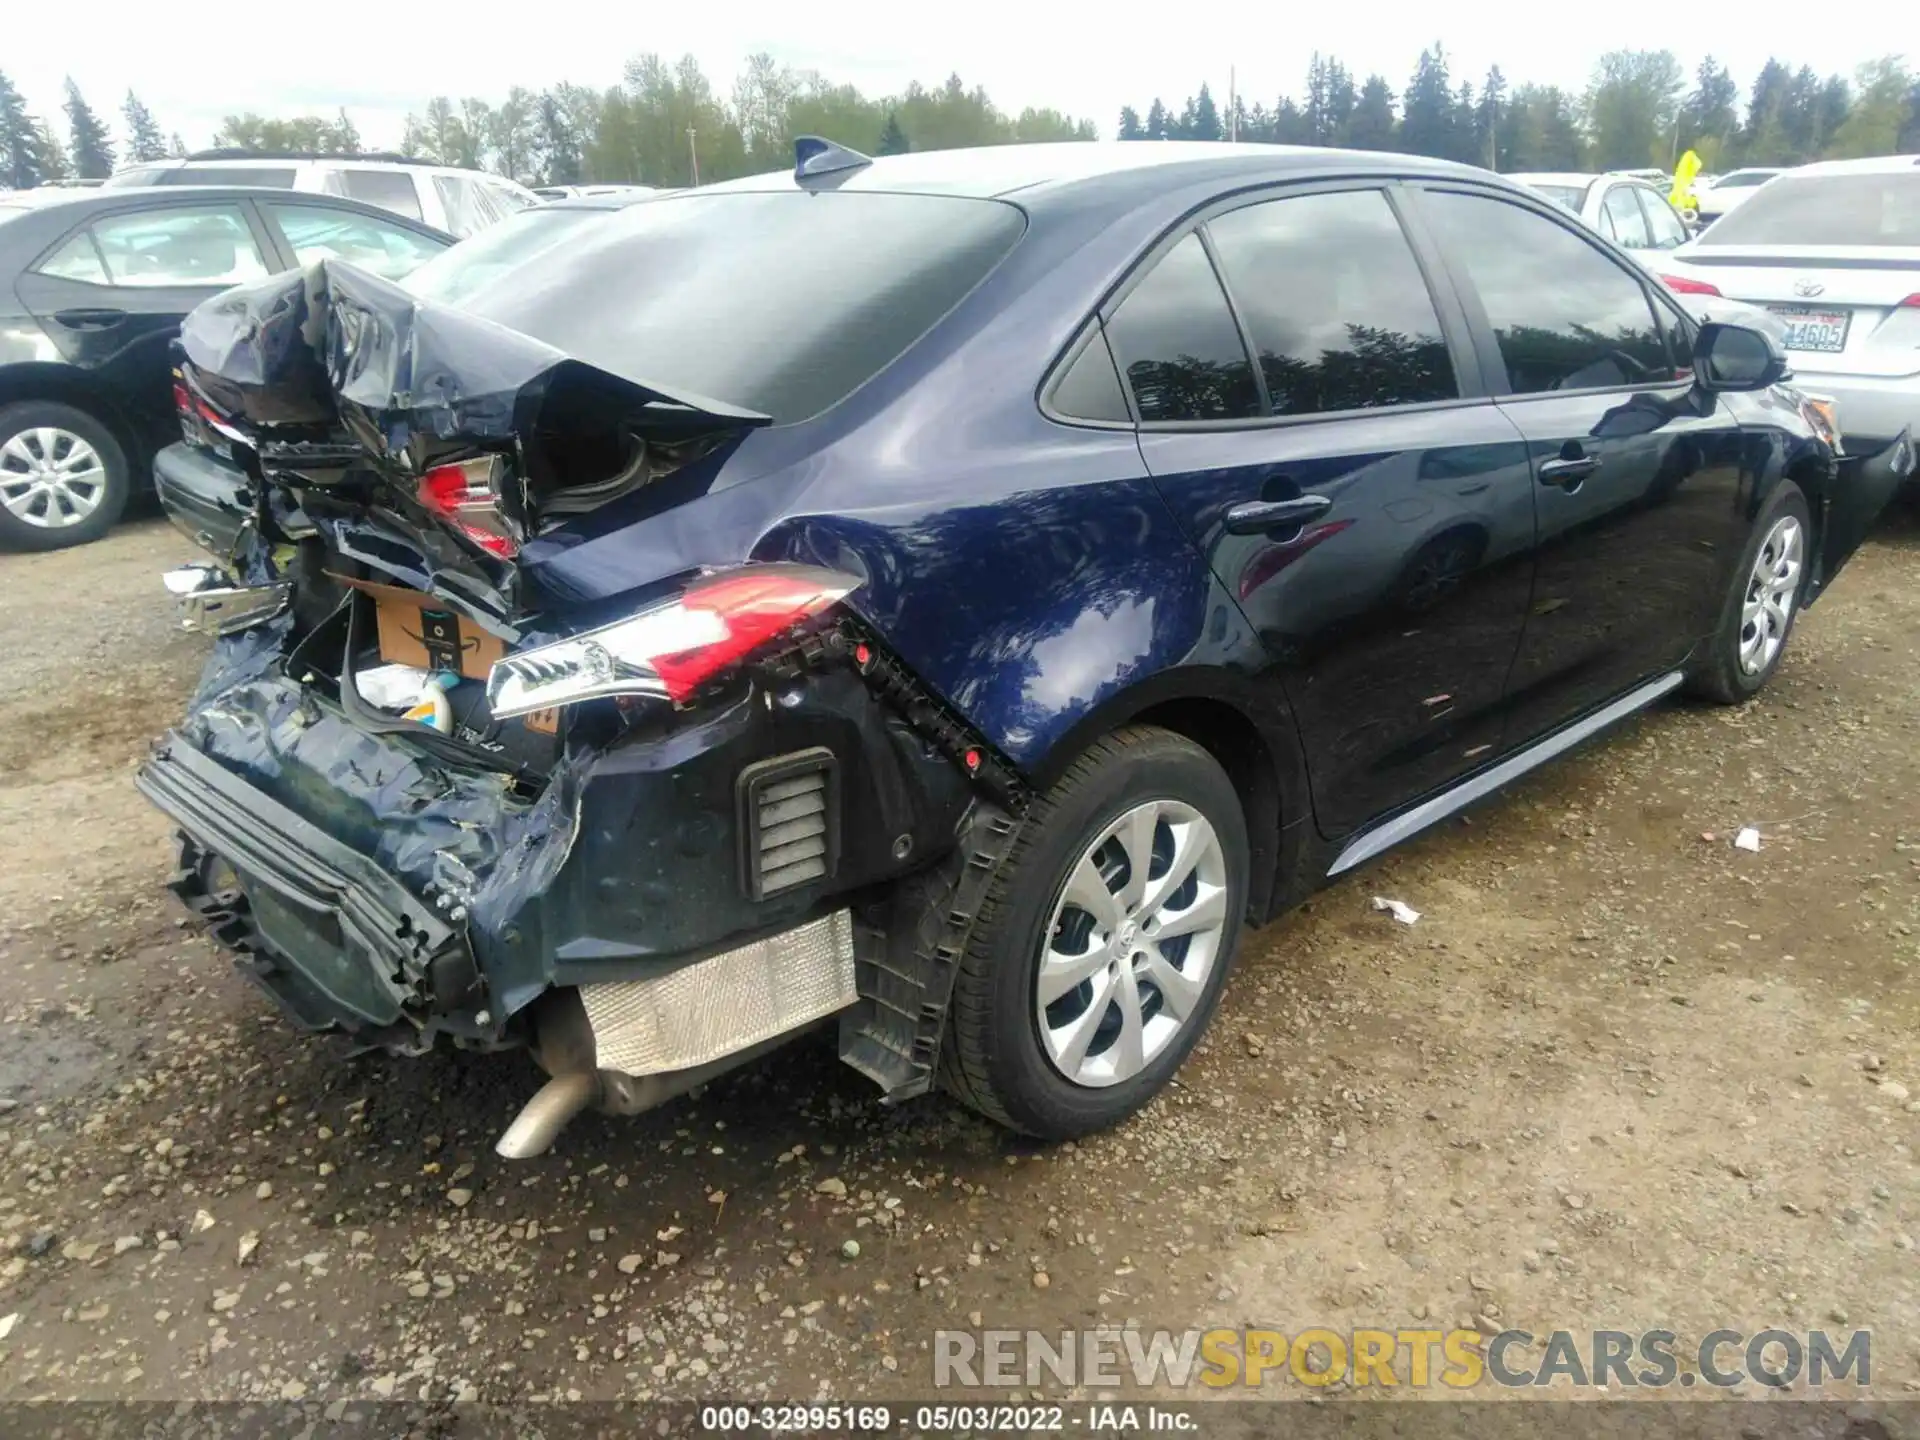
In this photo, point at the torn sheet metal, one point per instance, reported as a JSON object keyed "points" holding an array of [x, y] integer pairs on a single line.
{"points": [[407, 378]]}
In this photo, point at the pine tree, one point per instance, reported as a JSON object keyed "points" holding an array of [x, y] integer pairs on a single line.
{"points": [[893, 140], [1319, 127], [1466, 123], [54, 166], [1493, 100], [1371, 125], [22, 156], [144, 141], [1426, 114], [1764, 140], [1342, 100], [1709, 113], [1205, 124], [1130, 126], [1158, 122], [91, 146]]}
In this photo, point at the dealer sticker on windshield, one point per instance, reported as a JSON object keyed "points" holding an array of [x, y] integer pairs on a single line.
{"points": [[1811, 329]]}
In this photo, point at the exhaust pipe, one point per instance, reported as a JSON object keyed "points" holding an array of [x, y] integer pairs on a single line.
{"points": [[542, 1118], [564, 1045]]}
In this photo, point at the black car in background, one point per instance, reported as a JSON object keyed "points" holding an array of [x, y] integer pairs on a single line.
{"points": [[93, 286]]}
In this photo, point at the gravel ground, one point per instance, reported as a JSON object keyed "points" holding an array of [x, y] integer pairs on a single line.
{"points": [[1620, 1074]]}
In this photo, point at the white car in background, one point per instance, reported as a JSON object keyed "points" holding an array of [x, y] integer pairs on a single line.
{"points": [[1622, 207], [460, 202], [1833, 251], [1730, 191], [588, 192]]}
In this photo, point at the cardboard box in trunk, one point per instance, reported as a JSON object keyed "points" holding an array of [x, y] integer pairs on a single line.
{"points": [[412, 630]]}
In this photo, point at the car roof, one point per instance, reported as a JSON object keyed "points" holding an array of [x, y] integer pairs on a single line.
{"points": [[1876, 165], [605, 200], [269, 161], [993, 171], [138, 197]]}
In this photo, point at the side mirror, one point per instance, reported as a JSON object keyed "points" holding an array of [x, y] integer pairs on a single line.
{"points": [[1737, 357]]}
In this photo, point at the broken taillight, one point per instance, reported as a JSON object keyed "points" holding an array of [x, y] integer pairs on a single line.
{"points": [[464, 495], [672, 649]]}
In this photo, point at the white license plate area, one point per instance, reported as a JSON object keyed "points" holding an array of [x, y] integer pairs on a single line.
{"points": [[1809, 328]]}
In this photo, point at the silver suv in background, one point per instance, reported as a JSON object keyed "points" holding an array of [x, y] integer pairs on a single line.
{"points": [[460, 202]]}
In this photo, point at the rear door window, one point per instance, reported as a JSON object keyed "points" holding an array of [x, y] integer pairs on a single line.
{"points": [[76, 259], [319, 232], [1338, 311], [1566, 315], [1089, 388], [469, 208], [1629, 225], [389, 189], [186, 245], [1176, 342], [1666, 228]]}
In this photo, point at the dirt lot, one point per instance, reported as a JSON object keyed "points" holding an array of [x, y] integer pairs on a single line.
{"points": [[1620, 1074]]}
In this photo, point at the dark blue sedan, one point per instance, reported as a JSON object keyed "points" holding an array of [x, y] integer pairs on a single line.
{"points": [[943, 597]]}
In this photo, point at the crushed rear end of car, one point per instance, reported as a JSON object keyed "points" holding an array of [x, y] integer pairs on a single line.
{"points": [[424, 797]]}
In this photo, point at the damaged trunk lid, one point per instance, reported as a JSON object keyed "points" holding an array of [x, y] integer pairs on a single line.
{"points": [[423, 442]]}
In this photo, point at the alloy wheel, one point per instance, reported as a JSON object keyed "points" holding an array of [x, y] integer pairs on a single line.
{"points": [[51, 478], [1772, 589], [1134, 936]]}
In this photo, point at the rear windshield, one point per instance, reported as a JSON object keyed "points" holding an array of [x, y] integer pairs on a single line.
{"points": [[1568, 197], [783, 302], [454, 276], [1826, 210]]}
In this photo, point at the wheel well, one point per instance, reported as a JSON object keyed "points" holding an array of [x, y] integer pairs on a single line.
{"points": [[73, 387], [1232, 740]]}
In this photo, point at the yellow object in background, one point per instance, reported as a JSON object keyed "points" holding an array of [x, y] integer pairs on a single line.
{"points": [[1683, 173]]}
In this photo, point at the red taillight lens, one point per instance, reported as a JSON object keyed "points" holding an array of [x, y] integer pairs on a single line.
{"points": [[191, 405], [462, 494], [751, 607], [672, 649], [1680, 285], [1912, 302]]}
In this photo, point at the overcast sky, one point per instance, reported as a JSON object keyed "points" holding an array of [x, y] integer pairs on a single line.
{"points": [[192, 65]]}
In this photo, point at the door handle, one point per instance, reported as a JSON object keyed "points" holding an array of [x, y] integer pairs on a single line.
{"points": [[1260, 517], [1569, 471], [89, 319]]}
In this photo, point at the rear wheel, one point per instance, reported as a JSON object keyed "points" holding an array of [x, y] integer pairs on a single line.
{"points": [[1761, 604], [1103, 944], [63, 477]]}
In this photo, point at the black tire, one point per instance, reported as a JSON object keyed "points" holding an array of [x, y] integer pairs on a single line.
{"points": [[1718, 674], [994, 1060], [27, 415]]}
